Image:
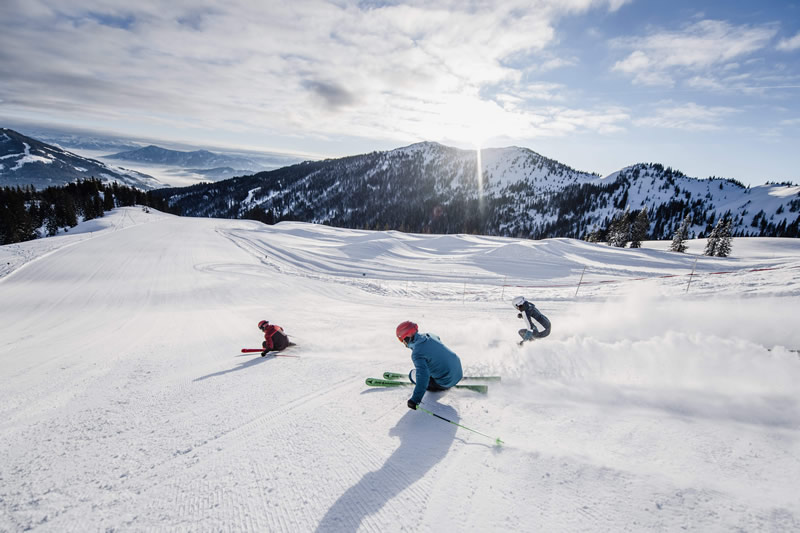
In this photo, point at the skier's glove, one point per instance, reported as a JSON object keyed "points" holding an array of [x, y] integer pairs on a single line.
{"points": [[412, 405], [265, 352], [519, 315]]}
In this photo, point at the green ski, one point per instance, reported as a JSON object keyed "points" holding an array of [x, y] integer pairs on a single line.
{"points": [[376, 382], [395, 375]]}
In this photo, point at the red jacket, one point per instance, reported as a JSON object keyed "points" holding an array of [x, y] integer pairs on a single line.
{"points": [[268, 334]]}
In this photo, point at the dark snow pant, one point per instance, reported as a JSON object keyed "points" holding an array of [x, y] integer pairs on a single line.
{"points": [[279, 342], [534, 333], [432, 385]]}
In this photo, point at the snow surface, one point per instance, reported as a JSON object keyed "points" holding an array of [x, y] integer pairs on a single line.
{"points": [[125, 403]]}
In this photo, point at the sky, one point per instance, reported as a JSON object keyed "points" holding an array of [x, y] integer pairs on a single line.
{"points": [[710, 88]]}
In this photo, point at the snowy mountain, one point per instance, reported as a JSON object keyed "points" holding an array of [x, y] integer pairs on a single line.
{"points": [[225, 163], [198, 159], [75, 139], [126, 404], [27, 161], [428, 187]]}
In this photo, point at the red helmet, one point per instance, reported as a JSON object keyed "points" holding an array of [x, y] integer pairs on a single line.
{"points": [[262, 324], [406, 329]]}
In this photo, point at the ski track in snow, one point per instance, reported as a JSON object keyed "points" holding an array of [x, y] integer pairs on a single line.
{"points": [[125, 403]]}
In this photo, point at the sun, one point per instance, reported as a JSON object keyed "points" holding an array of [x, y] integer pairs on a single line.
{"points": [[468, 120]]}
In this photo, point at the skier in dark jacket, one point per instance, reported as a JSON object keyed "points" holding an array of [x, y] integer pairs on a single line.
{"points": [[436, 367], [274, 338], [531, 314]]}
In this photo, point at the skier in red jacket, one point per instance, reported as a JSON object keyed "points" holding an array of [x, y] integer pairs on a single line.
{"points": [[274, 338]]}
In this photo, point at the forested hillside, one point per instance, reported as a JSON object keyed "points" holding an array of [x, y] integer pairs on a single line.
{"points": [[430, 188], [26, 213]]}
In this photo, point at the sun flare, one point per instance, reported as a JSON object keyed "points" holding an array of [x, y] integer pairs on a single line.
{"points": [[479, 168]]}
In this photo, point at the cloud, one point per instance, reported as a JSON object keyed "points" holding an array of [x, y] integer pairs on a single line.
{"points": [[789, 45], [664, 56], [688, 117], [334, 96], [705, 83], [557, 62], [380, 70]]}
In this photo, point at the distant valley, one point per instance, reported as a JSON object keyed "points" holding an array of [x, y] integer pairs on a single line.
{"points": [[168, 167], [26, 161]]}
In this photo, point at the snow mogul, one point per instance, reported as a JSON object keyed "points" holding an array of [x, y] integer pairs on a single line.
{"points": [[531, 314], [274, 338], [436, 367]]}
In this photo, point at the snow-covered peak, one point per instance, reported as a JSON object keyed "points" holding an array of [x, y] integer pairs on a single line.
{"points": [[28, 161]]}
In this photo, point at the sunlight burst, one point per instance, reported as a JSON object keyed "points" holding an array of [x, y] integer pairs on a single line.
{"points": [[478, 169]]}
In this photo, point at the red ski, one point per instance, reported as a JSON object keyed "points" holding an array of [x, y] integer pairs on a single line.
{"points": [[259, 350]]}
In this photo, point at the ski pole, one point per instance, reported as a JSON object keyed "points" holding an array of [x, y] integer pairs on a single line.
{"points": [[497, 441]]}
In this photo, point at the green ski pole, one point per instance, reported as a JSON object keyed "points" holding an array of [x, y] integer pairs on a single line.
{"points": [[497, 441]]}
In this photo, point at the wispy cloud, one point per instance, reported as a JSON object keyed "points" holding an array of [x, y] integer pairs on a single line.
{"points": [[557, 62], [383, 70], [789, 45], [664, 57], [689, 117]]}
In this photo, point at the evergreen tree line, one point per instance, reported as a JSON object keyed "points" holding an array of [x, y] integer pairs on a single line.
{"points": [[720, 240], [26, 213], [624, 228], [632, 228]]}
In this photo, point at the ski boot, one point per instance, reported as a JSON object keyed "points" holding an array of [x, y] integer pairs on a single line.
{"points": [[526, 334]]}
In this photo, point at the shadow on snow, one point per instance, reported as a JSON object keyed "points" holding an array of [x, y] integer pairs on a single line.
{"points": [[240, 366], [424, 441]]}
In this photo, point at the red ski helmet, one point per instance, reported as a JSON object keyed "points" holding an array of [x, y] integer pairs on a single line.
{"points": [[262, 324], [406, 329]]}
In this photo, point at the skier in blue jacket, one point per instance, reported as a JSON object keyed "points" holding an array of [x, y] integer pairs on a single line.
{"points": [[436, 367], [531, 314]]}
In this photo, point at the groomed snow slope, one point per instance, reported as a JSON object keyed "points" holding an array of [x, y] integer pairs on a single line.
{"points": [[125, 403]]}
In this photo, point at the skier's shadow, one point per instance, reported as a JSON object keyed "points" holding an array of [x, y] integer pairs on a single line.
{"points": [[424, 441], [240, 366]]}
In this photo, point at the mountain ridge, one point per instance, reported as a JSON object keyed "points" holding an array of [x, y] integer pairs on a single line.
{"points": [[27, 161], [205, 159], [429, 187]]}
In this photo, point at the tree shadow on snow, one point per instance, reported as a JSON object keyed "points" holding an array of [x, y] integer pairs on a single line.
{"points": [[240, 366], [424, 441]]}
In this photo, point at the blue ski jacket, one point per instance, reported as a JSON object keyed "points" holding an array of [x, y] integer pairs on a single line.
{"points": [[432, 359]]}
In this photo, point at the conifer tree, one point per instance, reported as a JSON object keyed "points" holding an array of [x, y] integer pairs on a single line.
{"points": [[713, 239], [594, 235], [725, 242], [619, 230], [108, 200], [679, 239], [640, 227]]}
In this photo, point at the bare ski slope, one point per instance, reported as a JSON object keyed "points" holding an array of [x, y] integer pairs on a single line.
{"points": [[125, 403]]}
